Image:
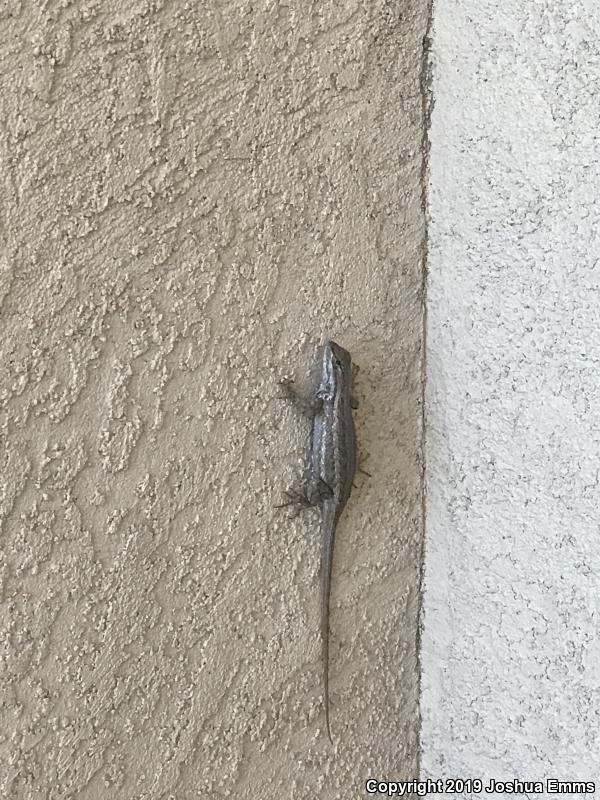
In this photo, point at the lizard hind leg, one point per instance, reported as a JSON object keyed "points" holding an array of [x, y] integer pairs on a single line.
{"points": [[317, 491], [325, 490], [363, 472], [297, 499]]}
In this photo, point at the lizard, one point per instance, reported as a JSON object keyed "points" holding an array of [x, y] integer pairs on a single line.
{"points": [[331, 466]]}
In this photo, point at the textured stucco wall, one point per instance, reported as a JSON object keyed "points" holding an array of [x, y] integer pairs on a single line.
{"points": [[192, 196], [511, 655]]}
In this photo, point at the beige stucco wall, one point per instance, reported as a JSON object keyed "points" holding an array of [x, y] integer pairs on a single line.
{"points": [[192, 196]]}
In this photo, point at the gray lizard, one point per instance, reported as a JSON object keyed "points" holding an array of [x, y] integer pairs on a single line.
{"points": [[330, 469]]}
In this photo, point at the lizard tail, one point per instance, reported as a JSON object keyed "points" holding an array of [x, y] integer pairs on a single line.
{"points": [[326, 687], [328, 523]]}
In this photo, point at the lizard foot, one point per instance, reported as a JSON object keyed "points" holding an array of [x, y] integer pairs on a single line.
{"points": [[297, 499]]}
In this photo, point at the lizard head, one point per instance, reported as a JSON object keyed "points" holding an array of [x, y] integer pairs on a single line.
{"points": [[337, 363], [338, 356]]}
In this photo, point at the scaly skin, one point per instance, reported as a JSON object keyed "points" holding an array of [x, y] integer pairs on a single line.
{"points": [[330, 473]]}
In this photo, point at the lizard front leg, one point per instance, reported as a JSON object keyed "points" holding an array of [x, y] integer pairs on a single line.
{"points": [[308, 406]]}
